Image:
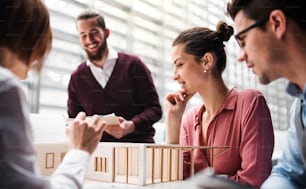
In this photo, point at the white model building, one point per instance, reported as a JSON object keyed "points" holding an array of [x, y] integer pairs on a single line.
{"points": [[131, 163]]}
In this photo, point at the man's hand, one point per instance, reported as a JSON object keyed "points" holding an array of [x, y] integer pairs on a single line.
{"points": [[119, 131]]}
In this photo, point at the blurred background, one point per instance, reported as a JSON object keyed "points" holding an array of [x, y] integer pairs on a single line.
{"points": [[145, 28]]}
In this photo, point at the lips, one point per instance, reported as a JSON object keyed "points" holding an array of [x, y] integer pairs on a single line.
{"points": [[252, 68], [92, 46], [92, 50], [249, 65], [182, 84]]}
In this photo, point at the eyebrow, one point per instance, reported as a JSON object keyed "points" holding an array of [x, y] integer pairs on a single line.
{"points": [[92, 29], [257, 23], [175, 61]]}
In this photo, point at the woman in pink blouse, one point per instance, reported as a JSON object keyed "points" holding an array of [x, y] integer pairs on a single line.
{"points": [[227, 117]]}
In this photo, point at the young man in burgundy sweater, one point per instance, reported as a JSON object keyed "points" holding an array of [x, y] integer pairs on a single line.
{"points": [[111, 82]]}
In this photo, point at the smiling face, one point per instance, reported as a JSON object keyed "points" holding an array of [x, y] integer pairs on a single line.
{"points": [[259, 49], [92, 38], [187, 72]]}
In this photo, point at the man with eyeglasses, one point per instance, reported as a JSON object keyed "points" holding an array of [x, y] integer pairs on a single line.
{"points": [[272, 37]]}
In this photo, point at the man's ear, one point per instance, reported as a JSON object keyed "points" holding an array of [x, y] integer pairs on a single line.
{"points": [[106, 32], [278, 22]]}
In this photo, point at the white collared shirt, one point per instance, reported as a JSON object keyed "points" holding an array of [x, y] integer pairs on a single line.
{"points": [[102, 75]]}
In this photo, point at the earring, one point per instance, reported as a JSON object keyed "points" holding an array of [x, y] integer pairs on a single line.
{"points": [[205, 71]]}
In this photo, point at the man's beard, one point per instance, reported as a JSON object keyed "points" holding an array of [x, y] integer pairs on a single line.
{"points": [[97, 56]]}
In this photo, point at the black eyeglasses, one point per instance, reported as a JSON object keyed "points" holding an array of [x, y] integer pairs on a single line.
{"points": [[256, 24]]}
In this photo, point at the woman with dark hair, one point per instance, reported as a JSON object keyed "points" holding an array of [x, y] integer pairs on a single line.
{"points": [[25, 39], [239, 119]]}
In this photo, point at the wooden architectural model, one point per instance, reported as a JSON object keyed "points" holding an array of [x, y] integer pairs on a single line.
{"points": [[131, 163]]}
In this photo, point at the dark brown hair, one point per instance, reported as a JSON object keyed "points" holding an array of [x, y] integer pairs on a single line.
{"points": [[92, 13], [259, 9], [25, 29], [200, 40]]}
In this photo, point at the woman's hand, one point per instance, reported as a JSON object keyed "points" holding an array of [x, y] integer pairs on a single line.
{"points": [[175, 104], [85, 134]]}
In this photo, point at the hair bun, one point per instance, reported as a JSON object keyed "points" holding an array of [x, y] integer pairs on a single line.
{"points": [[224, 31]]}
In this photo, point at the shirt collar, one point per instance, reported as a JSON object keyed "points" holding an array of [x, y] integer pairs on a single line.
{"points": [[228, 104], [294, 90], [112, 55]]}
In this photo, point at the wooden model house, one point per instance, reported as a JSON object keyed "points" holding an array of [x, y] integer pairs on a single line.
{"points": [[131, 163]]}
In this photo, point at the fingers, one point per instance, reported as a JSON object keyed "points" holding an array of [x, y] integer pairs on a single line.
{"points": [[182, 96], [171, 98], [97, 123], [179, 97], [119, 131], [116, 131], [77, 120], [68, 131], [175, 98], [84, 133], [112, 128], [81, 116], [121, 119], [94, 120]]}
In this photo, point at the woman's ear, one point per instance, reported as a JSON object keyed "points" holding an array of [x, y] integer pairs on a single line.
{"points": [[207, 60]]}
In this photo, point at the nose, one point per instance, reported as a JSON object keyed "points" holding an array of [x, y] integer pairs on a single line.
{"points": [[85, 40], [175, 75], [242, 56], [90, 38]]}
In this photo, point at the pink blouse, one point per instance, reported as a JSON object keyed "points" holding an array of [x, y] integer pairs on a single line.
{"points": [[243, 123]]}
